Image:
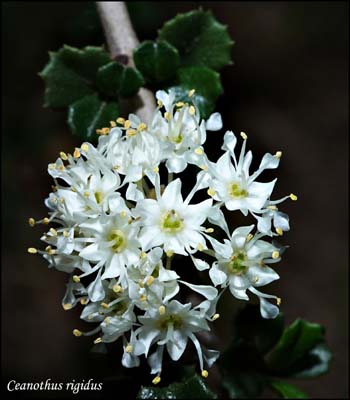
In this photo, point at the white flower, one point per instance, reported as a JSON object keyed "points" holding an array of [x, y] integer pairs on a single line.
{"points": [[232, 183], [242, 265], [172, 222]]}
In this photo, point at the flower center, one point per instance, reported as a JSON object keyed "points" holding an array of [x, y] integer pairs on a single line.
{"points": [[170, 319], [237, 192], [237, 264], [176, 139], [119, 241], [172, 222]]}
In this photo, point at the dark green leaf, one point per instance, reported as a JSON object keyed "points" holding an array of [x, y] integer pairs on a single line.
{"points": [[258, 331], [206, 83], [158, 61], [313, 364], [287, 391], [192, 388], [297, 340], [114, 79], [199, 38], [70, 74], [90, 113]]}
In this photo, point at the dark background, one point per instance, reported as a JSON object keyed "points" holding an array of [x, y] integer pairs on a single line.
{"points": [[287, 89]]}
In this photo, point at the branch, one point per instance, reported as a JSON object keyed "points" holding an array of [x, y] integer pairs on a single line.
{"points": [[122, 40]]}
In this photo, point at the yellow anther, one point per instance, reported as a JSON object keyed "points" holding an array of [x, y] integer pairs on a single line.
{"points": [[191, 93], [76, 278], [77, 332], [192, 110], [279, 231], [293, 197], [256, 279], [61, 168], [156, 170], [86, 194], [103, 131], [180, 104], [63, 155], [62, 200], [203, 167], [107, 320], [169, 253], [83, 301], [53, 231], [51, 252], [244, 136], [200, 247], [76, 153], [167, 116], [141, 284], [199, 151], [143, 297], [32, 250], [161, 310], [211, 192], [117, 288], [47, 248], [46, 221], [209, 230], [205, 373], [98, 340], [91, 316], [65, 234], [31, 222], [273, 208], [249, 237], [131, 132], [104, 305], [150, 280], [73, 189], [112, 124], [127, 124], [52, 166], [160, 103], [142, 126], [278, 154], [143, 255], [215, 317], [123, 214], [275, 255], [156, 380], [85, 147], [67, 306], [116, 167], [121, 121], [279, 301], [129, 348]]}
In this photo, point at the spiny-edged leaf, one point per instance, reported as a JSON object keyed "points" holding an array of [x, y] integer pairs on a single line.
{"points": [[287, 391], [314, 363], [243, 385], [192, 388], [158, 61], [114, 79], [297, 340], [206, 83], [91, 113], [199, 38], [260, 332], [70, 74]]}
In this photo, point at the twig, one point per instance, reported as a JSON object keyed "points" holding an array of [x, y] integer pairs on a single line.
{"points": [[122, 40]]}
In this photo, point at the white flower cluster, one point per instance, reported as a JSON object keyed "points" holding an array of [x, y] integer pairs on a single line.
{"points": [[118, 229]]}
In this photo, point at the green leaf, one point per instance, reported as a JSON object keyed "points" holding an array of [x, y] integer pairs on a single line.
{"points": [[90, 113], [199, 38], [206, 83], [158, 61], [243, 385], [297, 340], [114, 79], [287, 391], [314, 363], [70, 74], [258, 331], [192, 388]]}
